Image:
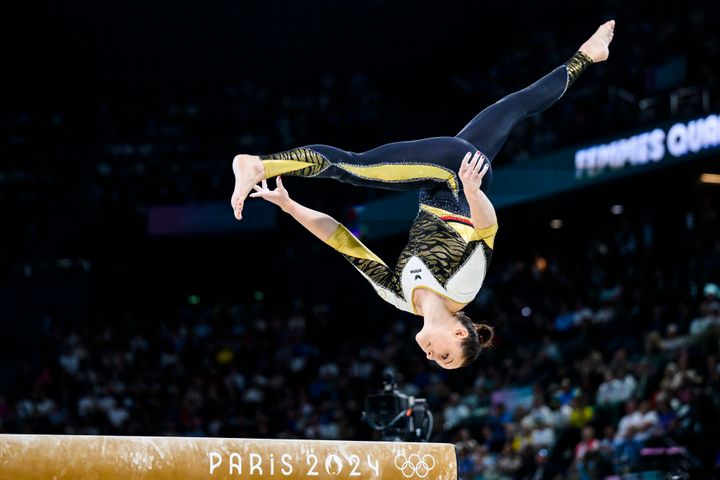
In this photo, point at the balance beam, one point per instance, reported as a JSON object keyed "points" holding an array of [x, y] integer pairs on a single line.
{"points": [[59, 457]]}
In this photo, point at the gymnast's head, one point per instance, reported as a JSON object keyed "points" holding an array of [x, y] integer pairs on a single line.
{"points": [[453, 341]]}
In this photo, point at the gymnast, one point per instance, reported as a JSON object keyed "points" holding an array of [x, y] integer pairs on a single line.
{"points": [[451, 240]]}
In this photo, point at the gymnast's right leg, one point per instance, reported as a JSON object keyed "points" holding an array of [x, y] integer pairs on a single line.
{"points": [[409, 165]]}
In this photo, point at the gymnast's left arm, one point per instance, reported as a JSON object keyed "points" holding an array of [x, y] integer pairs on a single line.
{"points": [[482, 212]]}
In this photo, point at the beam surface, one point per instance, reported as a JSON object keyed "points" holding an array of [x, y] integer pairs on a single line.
{"points": [[59, 457]]}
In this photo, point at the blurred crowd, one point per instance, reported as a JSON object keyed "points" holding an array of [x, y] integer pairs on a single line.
{"points": [[616, 412]]}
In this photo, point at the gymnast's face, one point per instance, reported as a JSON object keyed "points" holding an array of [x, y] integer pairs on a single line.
{"points": [[442, 344]]}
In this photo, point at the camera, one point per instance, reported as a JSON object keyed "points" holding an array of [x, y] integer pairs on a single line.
{"points": [[399, 417]]}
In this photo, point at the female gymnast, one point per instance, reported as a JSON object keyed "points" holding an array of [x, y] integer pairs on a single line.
{"points": [[445, 261]]}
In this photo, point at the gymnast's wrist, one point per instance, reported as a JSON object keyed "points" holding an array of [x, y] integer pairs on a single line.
{"points": [[473, 193], [289, 207]]}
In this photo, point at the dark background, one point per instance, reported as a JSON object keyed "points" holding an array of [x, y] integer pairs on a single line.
{"points": [[109, 109]]}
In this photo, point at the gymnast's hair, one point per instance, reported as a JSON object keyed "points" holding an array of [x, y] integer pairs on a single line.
{"points": [[480, 336]]}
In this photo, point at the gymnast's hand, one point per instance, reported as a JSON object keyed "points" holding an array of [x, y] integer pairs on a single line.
{"points": [[279, 196], [472, 171]]}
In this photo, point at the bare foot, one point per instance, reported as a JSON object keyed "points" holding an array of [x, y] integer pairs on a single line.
{"points": [[597, 47], [249, 171]]}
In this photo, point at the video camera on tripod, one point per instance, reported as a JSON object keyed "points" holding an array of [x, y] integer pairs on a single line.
{"points": [[400, 417]]}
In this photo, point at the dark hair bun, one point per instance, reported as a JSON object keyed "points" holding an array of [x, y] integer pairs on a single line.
{"points": [[486, 333]]}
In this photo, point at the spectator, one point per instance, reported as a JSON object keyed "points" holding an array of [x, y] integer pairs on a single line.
{"points": [[454, 412], [710, 317], [581, 413], [584, 452], [543, 435], [540, 414], [566, 392], [618, 387], [508, 463]]}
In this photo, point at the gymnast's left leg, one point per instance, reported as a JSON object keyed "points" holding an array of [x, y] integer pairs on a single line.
{"points": [[491, 127]]}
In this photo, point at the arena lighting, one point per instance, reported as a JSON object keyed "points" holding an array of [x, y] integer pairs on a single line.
{"points": [[556, 224], [617, 209], [66, 457], [713, 178]]}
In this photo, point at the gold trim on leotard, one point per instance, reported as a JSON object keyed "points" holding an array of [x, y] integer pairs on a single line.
{"points": [[439, 212], [487, 234], [302, 162], [348, 244], [576, 65], [403, 172], [468, 232], [306, 162], [365, 260]]}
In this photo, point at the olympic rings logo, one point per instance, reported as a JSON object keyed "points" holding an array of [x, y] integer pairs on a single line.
{"points": [[414, 464]]}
